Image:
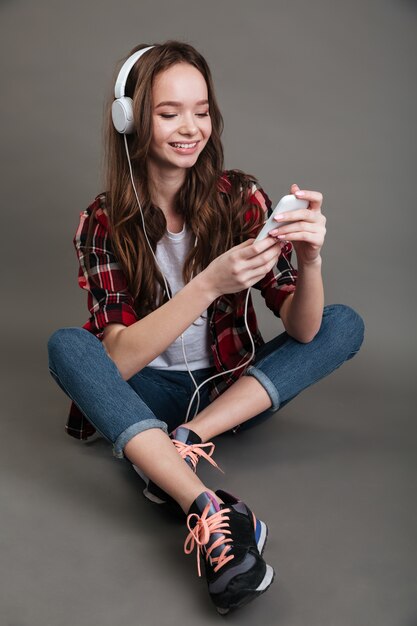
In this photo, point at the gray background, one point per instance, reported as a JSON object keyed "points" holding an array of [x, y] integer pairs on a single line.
{"points": [[319, 93]]}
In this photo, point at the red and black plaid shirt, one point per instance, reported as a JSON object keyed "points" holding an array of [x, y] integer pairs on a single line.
{"points": [[109, 301]]}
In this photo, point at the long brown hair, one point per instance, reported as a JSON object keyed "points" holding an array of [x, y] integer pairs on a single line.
{"points": [[213, 205]]}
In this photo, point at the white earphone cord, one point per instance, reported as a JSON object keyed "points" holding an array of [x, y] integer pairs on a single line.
{"points": [[241, 365], [167, 289]]}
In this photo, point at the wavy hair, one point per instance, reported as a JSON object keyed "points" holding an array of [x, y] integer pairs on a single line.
{"points": [[214, 205]]}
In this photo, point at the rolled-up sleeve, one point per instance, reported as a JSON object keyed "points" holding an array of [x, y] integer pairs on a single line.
{"points": [[109, 299]]}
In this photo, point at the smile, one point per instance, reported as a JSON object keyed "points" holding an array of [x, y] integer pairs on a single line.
{"points": [[184, 145]]}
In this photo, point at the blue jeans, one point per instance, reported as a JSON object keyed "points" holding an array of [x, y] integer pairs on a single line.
{"points": [[153, 398]]}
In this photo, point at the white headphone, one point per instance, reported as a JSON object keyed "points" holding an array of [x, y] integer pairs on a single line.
{"points": [[122, 107]]}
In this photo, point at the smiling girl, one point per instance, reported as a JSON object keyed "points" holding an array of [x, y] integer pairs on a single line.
{"points": [[167, 255]]}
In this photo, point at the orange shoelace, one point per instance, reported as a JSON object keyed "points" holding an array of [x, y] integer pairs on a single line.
{"points": [[199, 536], [195, 451]]}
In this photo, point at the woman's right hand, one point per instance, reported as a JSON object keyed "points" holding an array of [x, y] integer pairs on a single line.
{"points": [[242, 266]]}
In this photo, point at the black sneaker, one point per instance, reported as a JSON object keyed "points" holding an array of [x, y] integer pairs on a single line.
{"points": [[191, 448], [260, 529], [224, 535]]}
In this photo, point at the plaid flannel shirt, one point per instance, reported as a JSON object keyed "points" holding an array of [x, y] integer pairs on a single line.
{"points": [[109, 300]]}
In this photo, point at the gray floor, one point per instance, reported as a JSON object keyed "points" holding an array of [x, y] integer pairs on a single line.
{"points": [[329, 90], [333, 475]]}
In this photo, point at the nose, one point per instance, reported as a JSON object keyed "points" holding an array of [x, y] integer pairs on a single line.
{"points": [[188, 126]]}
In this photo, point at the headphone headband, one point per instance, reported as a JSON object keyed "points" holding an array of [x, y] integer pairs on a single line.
{"points": [[122, 107], [119, 88]]}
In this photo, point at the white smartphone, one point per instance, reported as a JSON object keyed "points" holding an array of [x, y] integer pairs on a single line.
{"points": [[287, 203]]}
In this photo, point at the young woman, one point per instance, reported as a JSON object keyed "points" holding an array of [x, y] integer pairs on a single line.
{"points": [[167, 255]]}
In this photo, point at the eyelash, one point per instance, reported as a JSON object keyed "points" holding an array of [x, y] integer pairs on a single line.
{"points": [[169, 116]]}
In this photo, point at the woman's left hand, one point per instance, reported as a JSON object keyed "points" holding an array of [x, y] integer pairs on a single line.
{"points": [[307, 229]]}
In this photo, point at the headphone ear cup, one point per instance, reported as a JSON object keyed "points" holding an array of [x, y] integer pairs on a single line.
{"points": [[122, 115]]}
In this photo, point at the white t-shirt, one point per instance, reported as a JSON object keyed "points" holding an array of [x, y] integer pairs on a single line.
{"points": [[171, 252]]}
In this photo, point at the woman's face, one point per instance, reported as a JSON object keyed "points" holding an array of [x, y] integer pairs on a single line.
{"points": [[180, 117]]}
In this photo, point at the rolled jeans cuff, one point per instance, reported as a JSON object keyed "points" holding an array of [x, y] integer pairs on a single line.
{"points": [[133, 430], [267, 384]]}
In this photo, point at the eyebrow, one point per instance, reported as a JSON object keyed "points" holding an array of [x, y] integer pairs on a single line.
{"points": [[173, 103]]}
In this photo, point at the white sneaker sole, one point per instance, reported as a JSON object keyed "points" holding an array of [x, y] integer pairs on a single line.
{"points": [[269, 575], [152, 497], [266, 582]]}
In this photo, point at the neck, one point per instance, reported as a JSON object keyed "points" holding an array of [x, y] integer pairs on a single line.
{"points": [[164, 186]]}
